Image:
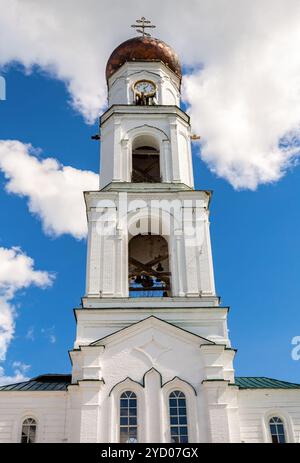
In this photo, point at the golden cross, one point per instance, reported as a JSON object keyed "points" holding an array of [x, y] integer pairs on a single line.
{"points": [[143, 23]]}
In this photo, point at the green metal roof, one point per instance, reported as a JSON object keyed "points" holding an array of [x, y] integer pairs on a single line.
{"points": [[48, 382], [59, 382], [261, 382]]}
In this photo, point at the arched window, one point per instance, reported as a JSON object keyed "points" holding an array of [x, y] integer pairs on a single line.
{"points": [[145, 160], [149, 274], [178, 417], [277, 430], [28, 431], [128, 417]]}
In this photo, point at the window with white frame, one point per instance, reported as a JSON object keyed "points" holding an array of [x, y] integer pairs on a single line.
{"points": [[128, 417], [28, 431], [277, 430], [178, 417]]}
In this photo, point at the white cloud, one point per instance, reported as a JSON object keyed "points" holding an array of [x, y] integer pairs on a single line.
{"points": [[246, 99], [49, 334], [16, 272], [19, 374], [55, 195], [30, 334], [7, 325], [23, 367]]}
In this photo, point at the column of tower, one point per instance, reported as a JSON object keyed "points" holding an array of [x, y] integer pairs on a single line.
{"points": [[149, 272]]}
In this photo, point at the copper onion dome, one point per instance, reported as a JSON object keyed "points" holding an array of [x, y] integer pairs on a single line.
{"points": [[143, 49]]}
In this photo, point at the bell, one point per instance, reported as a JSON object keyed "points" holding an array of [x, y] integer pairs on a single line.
{"points": [[147, 282], [159, 268], [138, 280]]}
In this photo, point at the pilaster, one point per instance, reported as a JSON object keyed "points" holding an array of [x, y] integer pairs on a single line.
{"points": [[222, 411], [153, 409]]}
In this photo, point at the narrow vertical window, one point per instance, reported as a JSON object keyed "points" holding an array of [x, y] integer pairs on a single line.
{"points": [[128, 417], [28, 431], [277, 430], [178, 417]]}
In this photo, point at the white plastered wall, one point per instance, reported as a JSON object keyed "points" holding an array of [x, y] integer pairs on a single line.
{"points": [[120, 84], [49, 409], [158, 358], [257, 406], [168, 128], [190, 255]]}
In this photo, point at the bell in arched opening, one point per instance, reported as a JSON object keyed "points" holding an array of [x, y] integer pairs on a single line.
{"points": [[149, 274], [145, 160], [145, 165]]}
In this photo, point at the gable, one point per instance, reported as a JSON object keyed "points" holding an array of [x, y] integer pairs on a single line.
{"points": [[150, 343], [152, 323]]}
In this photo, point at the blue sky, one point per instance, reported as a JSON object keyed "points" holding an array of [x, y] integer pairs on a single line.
{"points": [[255, 244]]}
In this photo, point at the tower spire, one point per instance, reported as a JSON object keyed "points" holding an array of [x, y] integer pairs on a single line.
{"points": [[141, 25]]}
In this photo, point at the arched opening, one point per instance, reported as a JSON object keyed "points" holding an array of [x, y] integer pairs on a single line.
{"points": [[28, 431], [128, 418], [277, 430], [178, 417], [149, 270], [145, 160]]}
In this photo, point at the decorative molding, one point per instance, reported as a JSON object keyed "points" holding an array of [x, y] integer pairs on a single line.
{"points": [[153, 349], [148, 132], [127, 381]]}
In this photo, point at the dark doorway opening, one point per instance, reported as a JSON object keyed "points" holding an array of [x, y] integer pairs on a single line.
{"points": [[149, 272], [145, 165]]}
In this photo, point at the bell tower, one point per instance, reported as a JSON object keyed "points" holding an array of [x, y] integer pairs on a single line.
{"points": [[143, 79], [147, 212], [150, 298]]}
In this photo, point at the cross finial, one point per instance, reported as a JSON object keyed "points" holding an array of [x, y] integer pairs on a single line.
{"points": [[142, 24]]}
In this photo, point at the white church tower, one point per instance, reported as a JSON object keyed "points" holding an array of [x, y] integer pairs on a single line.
{"points": [[152, 353], [152, 361]]}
